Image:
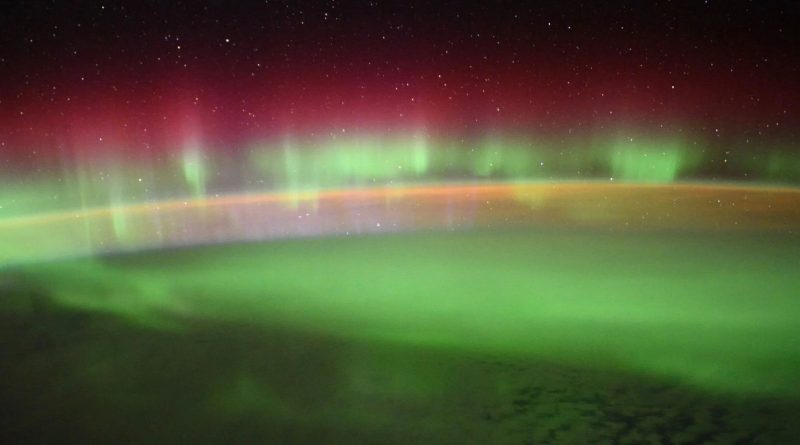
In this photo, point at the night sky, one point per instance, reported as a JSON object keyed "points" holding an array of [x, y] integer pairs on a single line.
{"points": [[721, 69], [150, 91]]}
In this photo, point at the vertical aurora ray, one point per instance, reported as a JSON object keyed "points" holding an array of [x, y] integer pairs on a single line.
{"points": [[420, 154], [292, 178], [75, 177], [648, 160], [114, 177], [194, 169]]}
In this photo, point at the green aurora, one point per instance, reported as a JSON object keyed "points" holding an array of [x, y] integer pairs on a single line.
{"points": [[325, 338], [82, 181], [568, 296]]}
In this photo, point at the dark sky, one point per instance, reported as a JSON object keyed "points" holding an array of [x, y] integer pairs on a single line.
{"points": [[149, 72]]}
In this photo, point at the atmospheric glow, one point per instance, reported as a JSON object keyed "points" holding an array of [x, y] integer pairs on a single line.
{"points": [[516, 222]]}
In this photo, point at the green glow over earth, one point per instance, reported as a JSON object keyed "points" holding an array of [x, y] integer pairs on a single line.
{"points": [[322, 339], [467, 312], [680, 307]]}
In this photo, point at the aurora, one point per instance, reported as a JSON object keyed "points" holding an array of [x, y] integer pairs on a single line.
{"points": [[316, 222], [292, 165]]}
